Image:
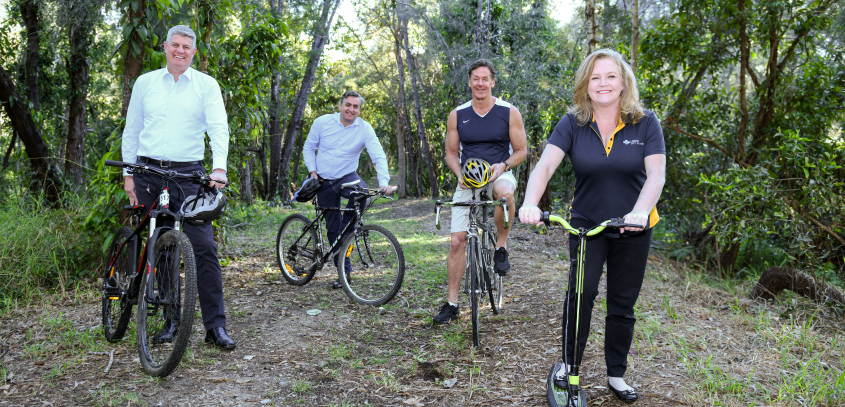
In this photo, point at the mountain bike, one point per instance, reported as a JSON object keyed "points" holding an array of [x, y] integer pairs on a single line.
{"points": [[479, 277], [159, 276], [570, 393], [376, 257]]}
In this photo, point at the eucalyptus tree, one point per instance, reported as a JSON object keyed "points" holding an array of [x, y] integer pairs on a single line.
{"points": [[737, 83]]}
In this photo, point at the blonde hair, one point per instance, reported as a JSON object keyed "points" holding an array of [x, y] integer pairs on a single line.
{"points": [[630, 109]]}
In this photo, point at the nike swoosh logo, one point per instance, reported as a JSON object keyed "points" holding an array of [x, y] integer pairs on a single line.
{"points": [[466, 121]]}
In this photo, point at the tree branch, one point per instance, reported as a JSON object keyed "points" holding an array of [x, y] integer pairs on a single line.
{"points": [[704, 139]]}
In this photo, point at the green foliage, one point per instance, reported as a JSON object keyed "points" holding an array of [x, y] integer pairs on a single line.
{"points": [[42, 249]]}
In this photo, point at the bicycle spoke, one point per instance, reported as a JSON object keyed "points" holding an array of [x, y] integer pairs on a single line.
{"points": [[377, 266]]}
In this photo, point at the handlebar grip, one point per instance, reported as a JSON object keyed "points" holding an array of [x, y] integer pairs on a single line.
{"points": [[112, 163], [546, 218]]}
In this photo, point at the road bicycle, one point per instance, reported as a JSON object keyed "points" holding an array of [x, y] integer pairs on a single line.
{"points": [[479, 277], [376, 257], [571, 394], [162, 280]]}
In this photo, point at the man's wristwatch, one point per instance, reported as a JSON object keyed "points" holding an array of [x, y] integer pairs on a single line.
{"points": [[507, 166]]}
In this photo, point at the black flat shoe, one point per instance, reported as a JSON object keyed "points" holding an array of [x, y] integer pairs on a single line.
{"points": [[626, 396], [219, 338]]}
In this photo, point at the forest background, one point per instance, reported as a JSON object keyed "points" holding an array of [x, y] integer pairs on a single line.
{"points": [[750, 95]]}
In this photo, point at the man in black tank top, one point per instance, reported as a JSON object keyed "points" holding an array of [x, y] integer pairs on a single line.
{"points": [[490, 129]]}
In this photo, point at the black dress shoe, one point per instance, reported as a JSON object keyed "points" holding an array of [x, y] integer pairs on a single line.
{"points": [[627, 396], [166, 334], [219, 338], [336, 283]]}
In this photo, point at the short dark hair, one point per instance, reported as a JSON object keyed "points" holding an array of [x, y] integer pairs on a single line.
{"points": [[482, 63], [352, 93]]}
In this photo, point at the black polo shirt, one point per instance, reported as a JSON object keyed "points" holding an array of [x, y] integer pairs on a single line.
{"points": [[608, 180]]}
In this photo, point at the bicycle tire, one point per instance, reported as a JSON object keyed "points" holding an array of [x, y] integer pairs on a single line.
{"points": [[117, 308], [378, 266], [159, 292], [296, 256], [493, 279], [474, 290]]}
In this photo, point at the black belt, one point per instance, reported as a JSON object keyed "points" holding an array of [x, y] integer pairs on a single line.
{"points": [[167, 164]]}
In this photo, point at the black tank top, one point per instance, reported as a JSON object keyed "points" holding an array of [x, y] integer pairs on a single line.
{"points": [[486, 137]]}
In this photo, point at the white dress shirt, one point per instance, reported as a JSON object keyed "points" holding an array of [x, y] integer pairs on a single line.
{"points": [[168, 120], [339, 148]]}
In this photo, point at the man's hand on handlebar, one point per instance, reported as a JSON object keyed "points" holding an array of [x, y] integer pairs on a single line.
{"points": [[129, 187], [386, 190], [530, 214], [219, 175]]}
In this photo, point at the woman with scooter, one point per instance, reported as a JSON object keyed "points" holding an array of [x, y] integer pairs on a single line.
{"points": [[619, 157]]}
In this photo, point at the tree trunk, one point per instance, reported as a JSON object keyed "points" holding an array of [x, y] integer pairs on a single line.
{"points": [[743, 64], [134, 59], [635, 36], [590, 20], [432, 179], [49, 176], [728, 256], [776, 279], [275, 131], [482, 26], [29, 14], [402, 122], [9, 150], [246, 180], [77, 68], [321, 37]]}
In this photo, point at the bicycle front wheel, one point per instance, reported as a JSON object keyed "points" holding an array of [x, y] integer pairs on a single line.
{"points": [[166, 304], [377, 266], [117, 282], [475, 287], [492, 279], [296, 250]]}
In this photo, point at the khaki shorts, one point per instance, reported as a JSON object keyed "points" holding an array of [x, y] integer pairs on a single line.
{"points": [[460, 214]]}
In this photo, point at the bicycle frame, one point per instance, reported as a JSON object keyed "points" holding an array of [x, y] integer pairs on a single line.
{"points": [[323, 256]]}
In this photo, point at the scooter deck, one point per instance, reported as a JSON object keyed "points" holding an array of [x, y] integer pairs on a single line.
{"points": [[559, 396]]}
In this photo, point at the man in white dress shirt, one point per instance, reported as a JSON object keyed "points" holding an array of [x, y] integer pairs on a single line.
{"points": [[170, 112], [339, 139]]}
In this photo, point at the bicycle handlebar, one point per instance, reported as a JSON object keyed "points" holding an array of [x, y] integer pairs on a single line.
{"points": [[438, 205], [617, 223], [368, 191], [140, 169]]}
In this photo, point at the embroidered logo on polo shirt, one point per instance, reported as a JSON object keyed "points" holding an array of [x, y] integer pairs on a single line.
{"points": [[636, 142]]}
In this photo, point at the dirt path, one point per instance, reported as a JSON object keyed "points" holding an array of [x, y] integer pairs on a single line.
{"points": [[352, 355]]}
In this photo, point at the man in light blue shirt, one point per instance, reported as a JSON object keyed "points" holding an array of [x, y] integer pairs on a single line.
{"points": [[170, 112], [339, 139]]}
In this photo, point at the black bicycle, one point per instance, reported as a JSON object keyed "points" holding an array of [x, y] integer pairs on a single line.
{"points": [[377, 259], [479, 278], [568, 392], [162, 281]]}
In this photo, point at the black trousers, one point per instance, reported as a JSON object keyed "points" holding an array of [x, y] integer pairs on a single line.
{"points": [[209, 274], [329, 197], [626, 258]]}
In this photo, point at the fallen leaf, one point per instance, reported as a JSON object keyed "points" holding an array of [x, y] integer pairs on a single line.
{"points": [[242, 381], [416, 402], [451, 382], [249, 357]]}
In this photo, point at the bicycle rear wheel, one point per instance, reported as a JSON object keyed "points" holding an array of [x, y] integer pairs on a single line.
{"points": [[492, 279], [378, 266], [117, 282], [296, 250], [166, 304], [474, 287]]}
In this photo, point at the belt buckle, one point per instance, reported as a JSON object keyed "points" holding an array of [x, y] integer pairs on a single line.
{"points": [[163, 164]]}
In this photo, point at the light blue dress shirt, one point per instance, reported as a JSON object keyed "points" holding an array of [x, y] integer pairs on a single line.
{"points": [[168, 120], [339, 148]]}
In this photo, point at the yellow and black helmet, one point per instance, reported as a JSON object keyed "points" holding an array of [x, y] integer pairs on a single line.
{"points": [[476, 173]]}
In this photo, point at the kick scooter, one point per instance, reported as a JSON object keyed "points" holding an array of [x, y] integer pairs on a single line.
{"points": [[564, 390]]}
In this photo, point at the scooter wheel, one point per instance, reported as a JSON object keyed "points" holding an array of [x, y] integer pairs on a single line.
{"points": [[559, 396]]}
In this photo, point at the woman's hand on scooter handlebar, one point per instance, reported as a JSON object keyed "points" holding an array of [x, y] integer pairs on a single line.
{"points": [[530, 214]]}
